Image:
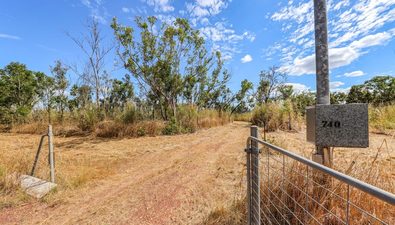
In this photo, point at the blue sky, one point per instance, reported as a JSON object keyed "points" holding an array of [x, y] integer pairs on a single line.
{"points": [[251, 34]]}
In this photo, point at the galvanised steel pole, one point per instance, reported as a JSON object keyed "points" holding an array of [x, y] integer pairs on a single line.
{"points": [[51, 157], [256, 199], [322, 68]]}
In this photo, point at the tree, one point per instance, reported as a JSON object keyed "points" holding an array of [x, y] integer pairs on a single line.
{"points": [[46, 92], [82, 96], [286, 91], [382, 89], [269, 82], [302, 100], [359, 94], [165, 60], [338, 98], [18, 89], [61, 84], [96, 52], [241, 97], [121, 93]]}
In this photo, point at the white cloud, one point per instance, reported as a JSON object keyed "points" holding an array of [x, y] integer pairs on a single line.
{"points": [[206, 7], [354, 74], [125, 10], [372, 40], [335, 84], [352, 26], [337, 57], [299, 13], [246, 59], [297, 87], [169, 19], [199, 12], [340, 4], [9, 36], [250, 36], [343, 90], [97, 11], [160, 5], [205, 21]]}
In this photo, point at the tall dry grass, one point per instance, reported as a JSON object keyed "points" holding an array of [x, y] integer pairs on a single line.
{"points": [[382, 118], [373, 166], [277, 115], [125, 123], [78, 161]]}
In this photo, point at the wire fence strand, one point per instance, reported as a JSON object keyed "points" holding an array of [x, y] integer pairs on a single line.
{"points": [[291, 191]]}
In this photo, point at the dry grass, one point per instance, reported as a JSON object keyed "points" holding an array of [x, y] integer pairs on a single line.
{"points": [[373, 166], [130, 181], [182, 179]]}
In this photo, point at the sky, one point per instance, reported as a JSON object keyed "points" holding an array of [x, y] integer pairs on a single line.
{"points": [[252, 35]]}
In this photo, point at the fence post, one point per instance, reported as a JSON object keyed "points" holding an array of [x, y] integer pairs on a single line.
{"points": [[248, 151], [51, 158], [256, 215]]}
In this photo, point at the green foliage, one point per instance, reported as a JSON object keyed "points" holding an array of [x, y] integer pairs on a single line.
{"points": [[88, 118], [18, 87], [172, 63], [269, 82], [141, 131], [378, 90], [338, 98], [61, 84], [121, 93], [271, 114], [172, 127], [82, 97], [129, 115], [301, 101]]}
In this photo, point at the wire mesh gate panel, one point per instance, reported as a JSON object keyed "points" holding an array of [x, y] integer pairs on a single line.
{"points": [[284, 188]]}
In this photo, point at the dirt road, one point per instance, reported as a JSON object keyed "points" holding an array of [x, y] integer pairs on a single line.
{"points": [[181, 179]]}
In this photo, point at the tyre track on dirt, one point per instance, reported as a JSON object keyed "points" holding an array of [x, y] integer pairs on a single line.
{"points": [[173, 180]]}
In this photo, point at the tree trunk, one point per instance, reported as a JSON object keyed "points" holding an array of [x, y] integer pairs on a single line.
{"points": [[97, 97], [49, 114]]}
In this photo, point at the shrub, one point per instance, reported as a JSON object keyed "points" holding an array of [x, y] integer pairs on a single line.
{"points": [[88, 119], [172, 127], [129, 115]]}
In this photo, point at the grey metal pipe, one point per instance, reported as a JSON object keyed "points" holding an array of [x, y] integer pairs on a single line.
{"points": [[248, 182], [321, 52], [51, 158], [38, 154], [372, 190]]}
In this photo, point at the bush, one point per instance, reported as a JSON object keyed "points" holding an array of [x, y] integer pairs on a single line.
{"points": [[88, 119], [275, 115], [172, 127], [129, 115]]}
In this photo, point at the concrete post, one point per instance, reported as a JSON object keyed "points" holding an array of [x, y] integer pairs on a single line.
{"points": [[51, 157], [322, 68], [255, 202]]}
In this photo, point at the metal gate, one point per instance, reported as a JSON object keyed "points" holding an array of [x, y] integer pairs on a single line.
{"points": [[284, 188]]}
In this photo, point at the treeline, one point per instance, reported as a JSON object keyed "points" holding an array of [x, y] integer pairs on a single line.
{"points": [[171, 76]]}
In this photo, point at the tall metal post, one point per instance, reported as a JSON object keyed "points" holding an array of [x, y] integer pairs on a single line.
{"points": [[51, 158], [322, 68], [255, 202]]}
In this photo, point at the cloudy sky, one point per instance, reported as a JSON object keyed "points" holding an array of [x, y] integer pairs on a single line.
{"points": [[251, 34]]}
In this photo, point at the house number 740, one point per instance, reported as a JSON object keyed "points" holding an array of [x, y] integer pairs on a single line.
{"points": [[331, 124]]}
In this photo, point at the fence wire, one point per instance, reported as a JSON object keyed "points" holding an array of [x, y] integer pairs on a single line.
{"points": [[284, 188]]}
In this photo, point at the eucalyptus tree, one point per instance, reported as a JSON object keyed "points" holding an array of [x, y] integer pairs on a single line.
{"points": [[170, 62], [96, 52], [269, 83], [61, 83], [46, 89], [18, 89], [121, 93]]}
